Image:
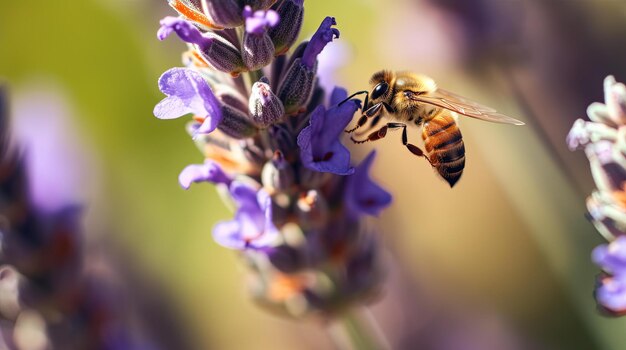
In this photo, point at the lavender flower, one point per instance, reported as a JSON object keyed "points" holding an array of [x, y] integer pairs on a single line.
{"points": [[210, 171], [252, 227], [188, 93], [278, 150], [603, 140], [48, 299], [611, 292]]}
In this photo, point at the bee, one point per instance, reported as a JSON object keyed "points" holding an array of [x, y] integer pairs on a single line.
{"points": [[406, 98]]}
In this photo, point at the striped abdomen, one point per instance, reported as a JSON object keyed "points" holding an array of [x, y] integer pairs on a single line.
{"points": [[444, 146]]}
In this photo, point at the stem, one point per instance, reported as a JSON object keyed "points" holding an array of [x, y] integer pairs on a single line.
{"points": [[357, 329]]}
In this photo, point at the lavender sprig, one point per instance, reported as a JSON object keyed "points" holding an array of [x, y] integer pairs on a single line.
{"points": [[604, 141], [273, 144]]}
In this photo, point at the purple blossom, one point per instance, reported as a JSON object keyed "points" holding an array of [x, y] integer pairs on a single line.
{"points": [[55, 158], [252, 227], [611, 292], [187, 92], [364, 196], [258, 22], [185, 30], [210, 171], [324, 34], [320, 148]]}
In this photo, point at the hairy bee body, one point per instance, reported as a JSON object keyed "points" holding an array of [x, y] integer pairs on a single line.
{"points": [[410, 99], [444, 146]]}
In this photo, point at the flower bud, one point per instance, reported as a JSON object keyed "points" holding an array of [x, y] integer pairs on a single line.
{"points": [[236, 124], [215, 49], [229, 96], [264, 106], [258, 49], [225, 13], [224, 56], [277, 175], [295, 89], [286, 32]]}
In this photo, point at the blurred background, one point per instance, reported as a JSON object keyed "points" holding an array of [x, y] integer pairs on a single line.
{"points": [[503, 257]]}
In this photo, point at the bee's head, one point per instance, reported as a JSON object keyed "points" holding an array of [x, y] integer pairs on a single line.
{"points": [[380, 83]]}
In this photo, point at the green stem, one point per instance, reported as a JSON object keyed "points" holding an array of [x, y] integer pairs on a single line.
{"points": [[360, 332]]}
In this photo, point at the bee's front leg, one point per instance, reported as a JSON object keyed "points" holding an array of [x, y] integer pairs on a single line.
{"points": [[371, 112]]}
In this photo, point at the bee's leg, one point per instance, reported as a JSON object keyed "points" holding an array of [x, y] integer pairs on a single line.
{"points": [[405, 141], [382, 132], [389, 109], [369, 113], [371, 125], [376, 135]]}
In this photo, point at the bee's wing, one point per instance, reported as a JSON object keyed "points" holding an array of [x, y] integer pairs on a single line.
{"points": [[451, 101]]}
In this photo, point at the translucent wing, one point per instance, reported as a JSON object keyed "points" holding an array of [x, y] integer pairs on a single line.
{"points": [[453, 102]]}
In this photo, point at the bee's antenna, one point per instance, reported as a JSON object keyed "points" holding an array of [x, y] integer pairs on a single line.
{"points": [[354, 94]]}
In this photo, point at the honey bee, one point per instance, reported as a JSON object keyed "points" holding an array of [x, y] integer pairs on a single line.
{"points": [[413, 99]]}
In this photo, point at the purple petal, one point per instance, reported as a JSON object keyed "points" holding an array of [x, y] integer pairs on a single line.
{"points": [[318, 150], [210, 171], [228, 234], [336, 121], [188, 93], [612, 257], [338, 95], [259, 21], [185, 30], [252, 227], [243, 193], [612, 294], [363, 196], [324, 34]]}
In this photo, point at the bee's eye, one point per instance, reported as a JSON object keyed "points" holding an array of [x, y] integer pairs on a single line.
{"points": [[379, 90]]}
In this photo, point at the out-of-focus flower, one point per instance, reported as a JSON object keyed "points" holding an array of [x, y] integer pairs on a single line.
{"points": [[364, 196], [611, 292], [252, 227], [57, 163], [210, 171], [47, 298], [603, 139]]}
